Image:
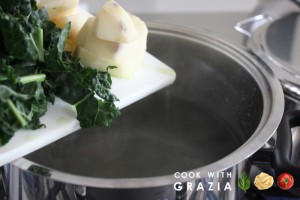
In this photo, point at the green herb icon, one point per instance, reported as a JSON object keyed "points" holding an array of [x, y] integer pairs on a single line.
{"points": [[244, 181]]}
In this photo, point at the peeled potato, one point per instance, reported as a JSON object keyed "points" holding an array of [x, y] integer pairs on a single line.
{"points": [[114, 24], [85, 30], [70, 45], [77, 21], [59, 8], [100, 52], [142, 32], [118, 52], [125, 69]]}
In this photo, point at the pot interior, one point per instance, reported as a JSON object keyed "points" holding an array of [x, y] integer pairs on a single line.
{"points": [[213, 108]]}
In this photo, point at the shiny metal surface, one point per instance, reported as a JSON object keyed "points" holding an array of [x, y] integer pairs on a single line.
{"points": [[223, 107], [3, 192], [29, 186], [292, 103], [296, 145], [284, 52], [273, 35]]}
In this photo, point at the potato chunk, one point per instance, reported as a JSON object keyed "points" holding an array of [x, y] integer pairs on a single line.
{"points": [[77, 21], [59, 8], [120, 23], [100, 52]]}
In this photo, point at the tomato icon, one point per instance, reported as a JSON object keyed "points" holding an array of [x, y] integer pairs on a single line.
{"points": [[285, 181]]}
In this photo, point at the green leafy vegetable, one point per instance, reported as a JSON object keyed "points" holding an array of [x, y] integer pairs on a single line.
{"points": [[22, 100], [244, 181], [34, 69]]}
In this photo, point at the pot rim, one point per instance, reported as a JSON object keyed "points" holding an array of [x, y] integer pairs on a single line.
{"points": [[273, 109], [256, 28]]}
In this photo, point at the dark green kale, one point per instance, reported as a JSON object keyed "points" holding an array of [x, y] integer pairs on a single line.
{"points": [[22, 99], [34, 69]]}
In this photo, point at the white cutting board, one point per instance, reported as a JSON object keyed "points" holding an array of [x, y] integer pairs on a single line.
{"points": [[60, 119]]}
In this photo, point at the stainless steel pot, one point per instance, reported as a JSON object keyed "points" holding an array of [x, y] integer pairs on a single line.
{"points": [[272, 33], [224, 105]]}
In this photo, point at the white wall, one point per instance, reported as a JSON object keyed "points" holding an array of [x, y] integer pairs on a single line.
{"points": [[171, 6]]}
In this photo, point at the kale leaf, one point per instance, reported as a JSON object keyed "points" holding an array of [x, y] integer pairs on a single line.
{"points": [[34, 69], [22, 100]]}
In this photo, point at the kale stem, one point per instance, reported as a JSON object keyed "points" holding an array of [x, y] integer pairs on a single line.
{"points": [[84, 98], [32, 78], [3, 78], [39, 46], [16, 113]]}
